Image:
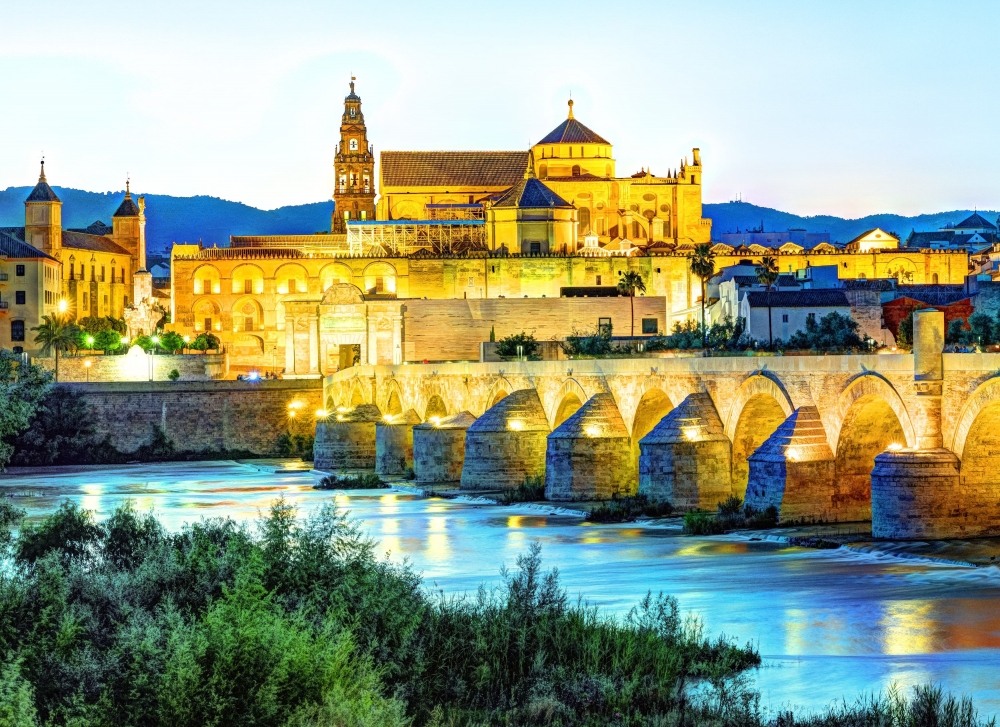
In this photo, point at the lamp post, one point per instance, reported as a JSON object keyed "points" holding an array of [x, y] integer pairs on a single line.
{"points": [[86, 365], [156, 342]]}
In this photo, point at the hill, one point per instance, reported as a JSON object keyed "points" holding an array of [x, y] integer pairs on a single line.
{"points": [[741, 216], [213, 220], [177, 219]]}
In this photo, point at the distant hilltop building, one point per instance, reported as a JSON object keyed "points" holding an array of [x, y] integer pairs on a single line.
{"points": [[975, 232], [791, 239]]}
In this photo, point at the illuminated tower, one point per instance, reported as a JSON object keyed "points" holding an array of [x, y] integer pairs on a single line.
{"points": [[354, 179]]}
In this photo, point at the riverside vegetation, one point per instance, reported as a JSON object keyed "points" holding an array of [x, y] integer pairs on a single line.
{"points": [[297, 622]]}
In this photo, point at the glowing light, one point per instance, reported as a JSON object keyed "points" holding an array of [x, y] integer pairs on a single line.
{"points": [[253, 376], [292, 413], [90, 340], [515, 425], [387, 418], [340, 417], [690, 433], [155, 339], [322, 413], [435, 420], [124, 340], [894, 447], [187, 339], [593, 431], [342, 409], [63, 305], [87, 364], [296, 404], [793, 453]]}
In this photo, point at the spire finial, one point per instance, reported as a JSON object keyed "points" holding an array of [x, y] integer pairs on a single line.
{"points": [[529, 173], [353, 79], [571, 108], [128, 191], [41, 176]]}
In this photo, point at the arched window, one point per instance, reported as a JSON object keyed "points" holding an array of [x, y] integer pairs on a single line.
{"points": [[576, 170], [934, 278]]}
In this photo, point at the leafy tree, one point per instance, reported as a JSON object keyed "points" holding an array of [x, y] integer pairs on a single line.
{"points": [[171, 341], [767, 275], [597, 343], [630, 282], [57, 333], [205, 342], [982, 329], [834, 332], [22, 388], [96, 324], [61, 431], [144, 342], [702, 262], [108, 340], [174, 375], [957, 332], [507, 346]]}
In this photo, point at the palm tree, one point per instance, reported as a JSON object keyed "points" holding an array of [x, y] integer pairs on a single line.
{"points": [[57, 333], [630, 282], [703, 265], [767, 275]]}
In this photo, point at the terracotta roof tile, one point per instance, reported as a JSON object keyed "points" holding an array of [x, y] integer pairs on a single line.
{"points": [[452, 168]]}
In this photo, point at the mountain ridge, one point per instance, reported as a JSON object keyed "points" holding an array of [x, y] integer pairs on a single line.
{"points": [[212, 220]]}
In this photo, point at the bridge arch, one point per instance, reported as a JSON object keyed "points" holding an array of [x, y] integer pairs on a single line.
{"points": [[394, 399], [436, 407], [500, 388], [981, 402], [760, 405], [358, 394], [872, 417], [652, 407], [566, 402]]}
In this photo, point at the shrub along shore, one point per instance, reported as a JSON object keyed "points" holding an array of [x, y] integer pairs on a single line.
{"points": [[298, 622]]}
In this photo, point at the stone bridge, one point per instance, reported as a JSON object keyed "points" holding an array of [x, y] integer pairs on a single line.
{"points": [[910, 441]]}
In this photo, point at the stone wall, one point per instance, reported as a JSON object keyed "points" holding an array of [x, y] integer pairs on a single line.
{"points": [[451, 330], [137, 366], [203, 415]]}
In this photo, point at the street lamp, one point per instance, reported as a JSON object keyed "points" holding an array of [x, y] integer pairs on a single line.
{"points": [[63, 305], [90, 344], [86, 365]]}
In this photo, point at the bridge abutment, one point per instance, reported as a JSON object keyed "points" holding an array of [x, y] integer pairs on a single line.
{"points": [[507, 444], [686, 459], [347, 441], [589, 456], [915, 496], [394, 443], [439, 448]]}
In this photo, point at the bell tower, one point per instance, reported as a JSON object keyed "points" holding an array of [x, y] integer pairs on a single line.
{"points": [[43, 218], [354, 178]]}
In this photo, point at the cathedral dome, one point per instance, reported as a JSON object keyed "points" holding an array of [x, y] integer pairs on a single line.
{"points": [[572, 131]]}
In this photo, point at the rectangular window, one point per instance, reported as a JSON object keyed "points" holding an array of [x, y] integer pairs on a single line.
{"points": [[247, 286], [19, 270], [472, 281], [105, 302], [604, 324], [208, 324], [536, 248], [17, 330], [379, 285], [649, 325], [292, 285], [784, 318], [19, 297], [598, 280], [86, 301], [364, 214], [82, 275], [102, 273], [93, 273], [248, 323]]}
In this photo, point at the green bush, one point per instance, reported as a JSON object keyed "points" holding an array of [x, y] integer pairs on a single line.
{"points": [[363, 481], [144, 342], [531, 489], [205, 342], [732, 514], [171, 341], [627, 509], [108, 341], [174, 375], [833, 333], [507, 346], [597, 343]]}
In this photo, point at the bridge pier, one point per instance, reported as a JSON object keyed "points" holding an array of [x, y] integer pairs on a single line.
{"points": [[346, 441], [439, 448], [793, 471], [394, 443], [686, 459], [507, 444], [589, 456]]}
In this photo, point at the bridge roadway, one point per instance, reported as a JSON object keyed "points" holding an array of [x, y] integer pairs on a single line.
{"points": [[910, 441]]}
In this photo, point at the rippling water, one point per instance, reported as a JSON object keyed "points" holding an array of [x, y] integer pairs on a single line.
{"points": [[830, 624]]}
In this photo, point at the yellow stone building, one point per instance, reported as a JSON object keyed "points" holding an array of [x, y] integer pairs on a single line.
{"points": [[468, 225], [79, 272]]}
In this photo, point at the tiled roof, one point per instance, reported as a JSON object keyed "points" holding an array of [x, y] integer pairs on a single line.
{"points": [[975, 221], [127, 208], [247, 253], [95, 228], [572, 131], [42, 191], [452, 168], [748, 281], [881, 284], [933, 294], [798, 299], [530, 194], [13, 248], [94, 243], [16, 232]]}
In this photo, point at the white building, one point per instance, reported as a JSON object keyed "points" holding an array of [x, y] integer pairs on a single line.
{"points": [[779, 314]]}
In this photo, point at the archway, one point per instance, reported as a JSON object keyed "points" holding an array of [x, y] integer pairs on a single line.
{"points": [[206, 280], [980, 455], [758, 419], [207, 315], [357, 398], [869, 427], [394, 406], [435, 408], [291, 278], [248, 279], [653, 406], [380, 279], [500, 394], [248, 315], [567, 407]]}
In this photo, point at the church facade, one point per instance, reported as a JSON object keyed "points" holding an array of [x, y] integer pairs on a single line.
{"points": [[77, 273]]}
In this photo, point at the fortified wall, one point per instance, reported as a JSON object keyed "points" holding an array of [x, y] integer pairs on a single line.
{"points": [[201, 415], [908, 441]]}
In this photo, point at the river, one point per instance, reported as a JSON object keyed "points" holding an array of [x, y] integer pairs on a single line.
{"points": [[830, 624]]}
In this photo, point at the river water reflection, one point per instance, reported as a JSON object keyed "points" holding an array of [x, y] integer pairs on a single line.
{"points": [[830, 624]]}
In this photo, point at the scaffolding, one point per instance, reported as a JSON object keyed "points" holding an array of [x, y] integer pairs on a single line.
{"points": [[374, 238]]}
